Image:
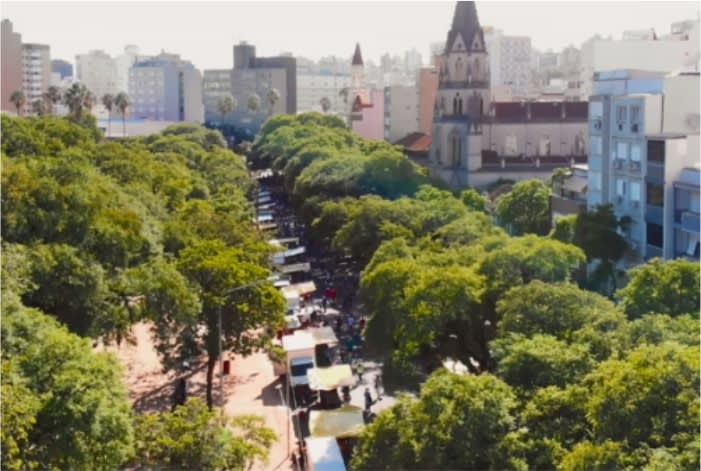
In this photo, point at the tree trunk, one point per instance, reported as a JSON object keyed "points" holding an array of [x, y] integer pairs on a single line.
{"points": [[124, 126], [211, 362]]}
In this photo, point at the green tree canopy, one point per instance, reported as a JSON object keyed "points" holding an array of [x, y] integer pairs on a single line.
{"points": [[526, 209]]}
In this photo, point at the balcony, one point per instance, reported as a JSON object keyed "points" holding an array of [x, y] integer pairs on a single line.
{"points": [[690, 221]]}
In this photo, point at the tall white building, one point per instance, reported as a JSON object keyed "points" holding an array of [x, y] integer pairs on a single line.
{"points": [[98, 72], [401, 111], [166, 88], [36, 73], [509, 60], [666, 54], [312, 87], [123, 63]]}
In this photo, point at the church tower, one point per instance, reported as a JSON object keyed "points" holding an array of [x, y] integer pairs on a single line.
{"points": [[462, 101]]}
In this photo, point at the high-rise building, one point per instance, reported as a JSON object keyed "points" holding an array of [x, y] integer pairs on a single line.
{"points": [[313, 87], [11, 66], [216, 84], [509, 61], [98, 72], [64, 69], [36, 72], [166, 88], [401, 111], [123, 63], [427, 83]]}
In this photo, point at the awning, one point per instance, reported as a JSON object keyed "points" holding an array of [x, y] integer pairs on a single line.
{"points": [[285, 240], [323, 335], [324, 454], [575, 184], [303, 288], [296, 267], [328, 379], [265, 217], [345, 422], [292, 322], [268, 226], [300, 340]]}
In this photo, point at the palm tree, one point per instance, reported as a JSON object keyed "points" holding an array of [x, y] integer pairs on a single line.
{"points": [[108, 101], [18, 99], [78, 98], [273, 97], [226, 105], [253, 103], [39, 107], [52, 96], [121, 101], [325, 104]]}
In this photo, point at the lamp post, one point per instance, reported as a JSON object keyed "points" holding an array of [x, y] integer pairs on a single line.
{"points": [[221, 335]]}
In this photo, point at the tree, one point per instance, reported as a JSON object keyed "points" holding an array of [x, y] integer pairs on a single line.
{"points": [[344, 93], [219, 273], [194, 437], [253, 103], [52, 97], [273, 97], [69, 404], [526, 209], [19, 100], [121, 101], [664, 287], [474, 200], [39, 107], [564, 229], [78, 99], [325, 104], [226, 105], [108, 102], [597, 233], [458, 422]]}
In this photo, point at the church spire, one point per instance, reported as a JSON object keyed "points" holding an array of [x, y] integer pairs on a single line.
{"points": [[357, 56], [465, 24]]}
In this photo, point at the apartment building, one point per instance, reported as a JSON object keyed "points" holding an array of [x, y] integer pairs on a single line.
{"points": [[11, 64], [509, 61], [216, 84], [36, 73], [166, 88], [313, 86], [98, 72], [427, 83], [401, 110]]}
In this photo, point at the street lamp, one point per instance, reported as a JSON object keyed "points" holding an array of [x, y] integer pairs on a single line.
{"points": [[221, 334]]}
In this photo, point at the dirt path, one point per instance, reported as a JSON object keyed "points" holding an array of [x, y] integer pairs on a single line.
{"points": [[250, 389]]}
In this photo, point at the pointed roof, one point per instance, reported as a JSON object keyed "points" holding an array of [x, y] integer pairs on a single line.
{"points": [[465, 22], [357, 56]]}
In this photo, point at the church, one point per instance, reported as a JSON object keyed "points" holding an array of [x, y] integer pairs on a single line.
{"points": [[476, 141]]}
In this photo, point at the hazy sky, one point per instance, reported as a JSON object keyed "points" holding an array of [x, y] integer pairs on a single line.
{"points": [[204, 32]]}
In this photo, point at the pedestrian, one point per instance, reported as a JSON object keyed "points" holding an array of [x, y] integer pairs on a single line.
{"points": [[360, 369], [323, 304], [294, 461], [378, 385], [368, 399]]}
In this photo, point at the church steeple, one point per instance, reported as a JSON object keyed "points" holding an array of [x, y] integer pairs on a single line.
{"points": [[357, 56], [466, 25]]}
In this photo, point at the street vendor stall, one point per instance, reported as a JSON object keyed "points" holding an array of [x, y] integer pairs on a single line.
{"points": [[333, 377], [344, 422]]}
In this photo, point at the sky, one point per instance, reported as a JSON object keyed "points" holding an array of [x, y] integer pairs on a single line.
{"points": [[204, 32]]}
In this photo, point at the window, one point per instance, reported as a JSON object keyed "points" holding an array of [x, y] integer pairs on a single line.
{"points": [[622, 150], [655, 194], [635, 114], [655, 151], [655, 235], [620, 187], [595, 143], [694, 202], [635, 152], [594, 180], [596, 108], [621, 114], [635, 191], [692, 248]]}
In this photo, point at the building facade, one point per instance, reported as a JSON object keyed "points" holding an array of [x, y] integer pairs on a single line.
{"points": [[36, 73], [64, 69], [401, 110], [509, 61], [313, 86], [477, 141], [166, 88], [98, 72], [427, 83], [216, 84], [11, 65]]}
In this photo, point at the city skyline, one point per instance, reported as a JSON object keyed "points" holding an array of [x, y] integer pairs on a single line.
{"points": [[296, 26]]}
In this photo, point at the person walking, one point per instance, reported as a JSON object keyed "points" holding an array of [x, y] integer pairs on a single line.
{"points": [[368, 399], [360, 369], [378, 385]]}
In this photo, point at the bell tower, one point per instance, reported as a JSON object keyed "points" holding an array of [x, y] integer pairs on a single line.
{"points": [[462, 101]]}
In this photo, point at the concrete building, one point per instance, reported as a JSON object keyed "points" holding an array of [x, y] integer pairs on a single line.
{"points": [[509, 61], [98, 72], [477, 141], [11, 65], [166, 88], [680, 49], [123, 63], [36, 72], [643, 135], [313, 86], [427, 83], [401, 110], [569, 196], [216, 84], [64, 69]]}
